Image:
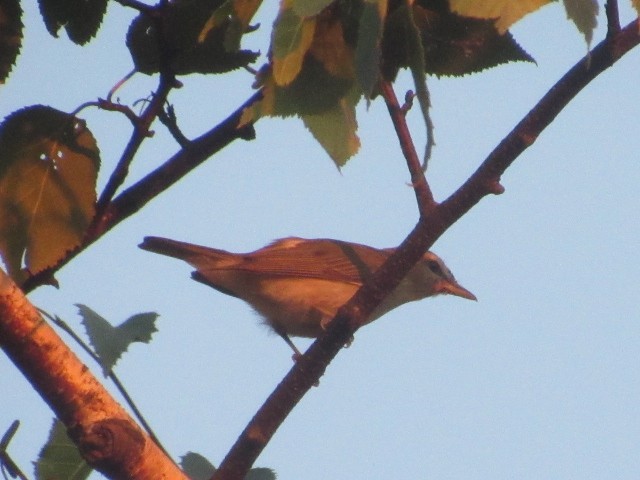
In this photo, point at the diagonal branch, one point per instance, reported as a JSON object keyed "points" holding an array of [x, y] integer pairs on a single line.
{"points": [[139, 194], [108, 438], [310, 367]]}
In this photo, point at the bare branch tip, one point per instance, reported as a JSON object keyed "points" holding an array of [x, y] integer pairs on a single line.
{"points": [[408, 101], [496, 188]]}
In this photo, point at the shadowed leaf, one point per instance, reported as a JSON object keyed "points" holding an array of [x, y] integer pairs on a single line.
{"points": [[60, 458], [195, 39], [111, 342], [453, 45], [10, 35], [48, 169], [80, 18], [198, 467]]}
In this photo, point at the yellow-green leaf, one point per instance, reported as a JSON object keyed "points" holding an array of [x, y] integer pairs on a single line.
{"points": [[49, 164], [292, 37], [335, 130], [505, 12]]}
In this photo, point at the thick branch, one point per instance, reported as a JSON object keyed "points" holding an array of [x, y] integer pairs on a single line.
{"points": [[307, 371], [108, 438]]}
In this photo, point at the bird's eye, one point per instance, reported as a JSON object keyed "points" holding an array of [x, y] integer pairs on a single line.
{"points": [[435, 267]]}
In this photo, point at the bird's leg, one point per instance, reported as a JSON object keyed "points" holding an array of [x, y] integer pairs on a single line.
{"points": [[296, 353]]}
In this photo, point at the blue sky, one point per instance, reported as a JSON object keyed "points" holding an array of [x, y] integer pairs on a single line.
{"points": [[536, 380]]}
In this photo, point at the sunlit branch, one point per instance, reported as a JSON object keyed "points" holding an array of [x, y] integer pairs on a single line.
{"points": [[308, 369]]}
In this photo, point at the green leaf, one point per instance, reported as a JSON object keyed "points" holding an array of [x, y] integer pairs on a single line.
{"points": [[60, 458], [335, 129], [111, 342], [309, 8], [292, 37], [197, 39], [584, 15], [367, 58], [80, 18], [313, 91], [10, 36], [198, 467], [49, 164], [324, 91]]}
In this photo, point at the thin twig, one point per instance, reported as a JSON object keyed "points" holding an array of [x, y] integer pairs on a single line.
{"points": [[111, 374], [6, 462], [135, 4], [419, 183], [169, 120], [141, 129], [119, 83], [308, 369], [156, 182]]}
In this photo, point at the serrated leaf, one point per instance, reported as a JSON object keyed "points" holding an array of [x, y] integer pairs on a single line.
{"points": [[292, 36], [193, 43], [60, 458], [335, 130], [10, 35], [504, 12], [583, 13], [111, 342], [324, 91], [453, 45], [80, 18], [198, 467], [49, 164], [368, 52], [309, 8]]}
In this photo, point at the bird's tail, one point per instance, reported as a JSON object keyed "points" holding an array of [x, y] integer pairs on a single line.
{"points": [[192, 254]]}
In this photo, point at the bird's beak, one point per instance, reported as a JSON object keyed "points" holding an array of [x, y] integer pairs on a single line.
{"points": [[453, 288]]}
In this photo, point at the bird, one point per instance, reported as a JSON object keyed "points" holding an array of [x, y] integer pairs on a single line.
{"points": [[297, 284]]}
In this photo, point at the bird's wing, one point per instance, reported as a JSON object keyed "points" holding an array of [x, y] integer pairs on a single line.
{"points": [[323, 259]]}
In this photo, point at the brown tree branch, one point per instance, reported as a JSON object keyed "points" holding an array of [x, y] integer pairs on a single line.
{"points": [[139, 194], [310, 367], [613, 17], [141, 128], [419, 183], [108, 438]]}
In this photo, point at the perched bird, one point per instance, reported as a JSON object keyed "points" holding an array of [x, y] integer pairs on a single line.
{"points": [[297, 285]]}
